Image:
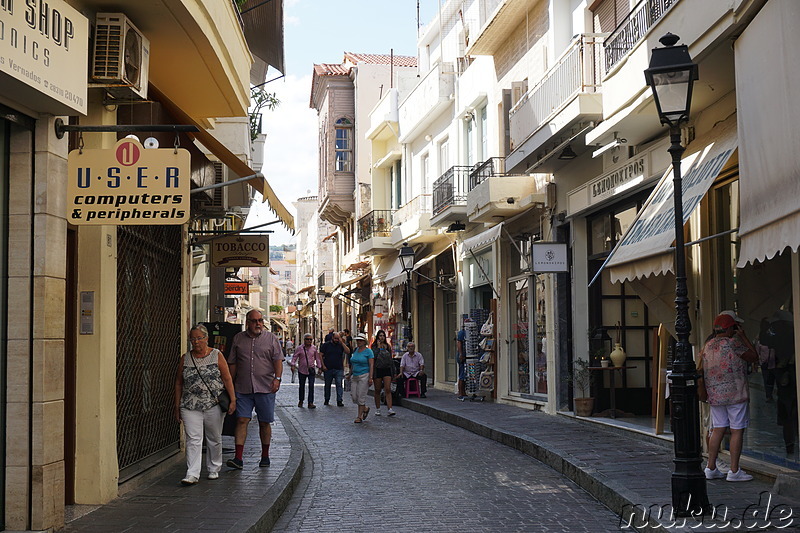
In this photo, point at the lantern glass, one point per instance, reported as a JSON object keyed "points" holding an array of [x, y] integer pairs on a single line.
{"points": [[407, 257], [673, 93], [321, 297], [299, 305]]}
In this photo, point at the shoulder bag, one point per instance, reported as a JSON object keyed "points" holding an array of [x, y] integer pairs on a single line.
{"points": [[487, 329], [224, 399]]}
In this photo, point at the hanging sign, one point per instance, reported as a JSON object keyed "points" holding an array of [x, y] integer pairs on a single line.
{"points": [[128, 185], [240, 251], [549, 257], [237, 288]]}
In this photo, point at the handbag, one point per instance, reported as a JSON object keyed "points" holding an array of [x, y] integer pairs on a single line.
{"points": [[486, 381], [487, 329], [485, 358], [224, 399]]}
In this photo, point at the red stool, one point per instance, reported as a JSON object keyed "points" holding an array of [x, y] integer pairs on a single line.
{"points": [[412, 387]]}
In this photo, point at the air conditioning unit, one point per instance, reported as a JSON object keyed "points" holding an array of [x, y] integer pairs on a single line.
{"points": [[121, 56]]}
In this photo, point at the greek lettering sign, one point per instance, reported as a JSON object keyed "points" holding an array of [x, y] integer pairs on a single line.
{"points": [[128, 185], [618, 180], [549, 257], [237, 288], [240, 251], [44, 46]]}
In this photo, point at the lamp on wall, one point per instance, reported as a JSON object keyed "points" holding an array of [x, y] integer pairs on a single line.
{"points": [[671, 74], [567, 153]]}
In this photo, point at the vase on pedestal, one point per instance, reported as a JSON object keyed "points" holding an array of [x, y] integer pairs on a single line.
{"points": [[618, 355]]}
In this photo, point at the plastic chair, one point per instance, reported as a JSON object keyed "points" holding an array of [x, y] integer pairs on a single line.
{"points": [[412, 387]]}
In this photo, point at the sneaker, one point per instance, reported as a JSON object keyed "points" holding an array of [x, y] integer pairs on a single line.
{"points": [[339, 404], [235, 463], [213, 475], [264, 461], [714, 474], [391, 412], [188, 480], [378, 411], [739, 475]]}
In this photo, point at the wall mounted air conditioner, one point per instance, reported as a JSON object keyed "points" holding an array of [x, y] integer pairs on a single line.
{"points": [[121, 56]]}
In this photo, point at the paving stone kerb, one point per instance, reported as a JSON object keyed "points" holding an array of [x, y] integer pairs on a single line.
{"points": [[626, 473], [239, 501]]}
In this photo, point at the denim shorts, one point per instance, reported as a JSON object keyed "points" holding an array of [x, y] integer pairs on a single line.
{"points": [[264, 404]]}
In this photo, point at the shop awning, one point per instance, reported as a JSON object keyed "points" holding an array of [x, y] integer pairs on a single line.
{"points": [[433, 255], [483, 239], [279, 323], [349, 282], [228, 158], [383, 267], [396, 276], [646, 248], [769, 182], [306, 289], [262, 23]]}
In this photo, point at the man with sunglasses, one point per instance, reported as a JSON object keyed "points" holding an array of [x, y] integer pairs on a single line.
{"points": [[256, 364]]}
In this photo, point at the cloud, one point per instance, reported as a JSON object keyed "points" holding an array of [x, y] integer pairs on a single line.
{"points": [[290, 151]]}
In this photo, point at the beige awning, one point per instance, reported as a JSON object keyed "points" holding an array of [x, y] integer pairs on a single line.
{"points": [[482, 239], [645, 249], [769, 180], [228, 158]]}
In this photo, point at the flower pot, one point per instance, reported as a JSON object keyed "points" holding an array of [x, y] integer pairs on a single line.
{"points": [[584, 406], [604, 363]]}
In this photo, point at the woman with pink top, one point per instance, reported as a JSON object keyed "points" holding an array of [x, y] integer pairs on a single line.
{"points": [[308, 362]]}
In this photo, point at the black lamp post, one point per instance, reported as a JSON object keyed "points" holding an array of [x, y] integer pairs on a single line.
{"points": [[407, 262], [671, 74], [321, 296]]}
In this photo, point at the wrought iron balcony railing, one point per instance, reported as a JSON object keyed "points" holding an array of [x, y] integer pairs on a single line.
{"points": [[376, 223], [633, 29], [494, 166], [450, 189]]}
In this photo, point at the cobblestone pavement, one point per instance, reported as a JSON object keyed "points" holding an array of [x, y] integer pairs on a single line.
{"points": [[355, 478]]}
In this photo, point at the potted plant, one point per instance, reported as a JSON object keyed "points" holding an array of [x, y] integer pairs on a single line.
{"points": [[581, 378]]}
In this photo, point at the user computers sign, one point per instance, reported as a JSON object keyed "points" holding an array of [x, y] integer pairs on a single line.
{"points": [[128, 185]]}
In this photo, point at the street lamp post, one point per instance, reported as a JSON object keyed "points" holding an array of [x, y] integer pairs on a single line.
{"points": [[299, 305], [671, 74], [407, 262], [321, 296]]}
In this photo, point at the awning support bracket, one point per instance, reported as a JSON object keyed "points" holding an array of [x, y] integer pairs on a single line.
{"points": [[61, 128]]}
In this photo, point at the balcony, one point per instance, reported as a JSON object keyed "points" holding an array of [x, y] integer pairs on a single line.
{"points": [[427, 101], [493, 193], [565, 96], [450, 197], [412, 222], [374, 232], [643, 17], [383, 117]]}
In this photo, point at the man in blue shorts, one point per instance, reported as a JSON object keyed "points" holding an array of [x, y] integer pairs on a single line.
{"points": [[256, 364]]}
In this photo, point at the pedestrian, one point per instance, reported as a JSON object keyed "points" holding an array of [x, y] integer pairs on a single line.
{"points": [[361, 364], [256, 364], [766, 358], [307, 360], [384, 371], [781, 339], [329, 336], [333, 357], [725, 358], [461, 357], [412, 365], [288, 355], [348, 339], [202, 375]]}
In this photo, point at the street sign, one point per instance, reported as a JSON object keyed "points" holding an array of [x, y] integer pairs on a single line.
{"points": [[128, 185], [240, 251]]}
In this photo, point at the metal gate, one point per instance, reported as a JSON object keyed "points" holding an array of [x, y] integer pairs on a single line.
{"points": [[148, 344]]}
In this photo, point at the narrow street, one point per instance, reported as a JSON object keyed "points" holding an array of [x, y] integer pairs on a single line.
{"points": [[412, 472]]}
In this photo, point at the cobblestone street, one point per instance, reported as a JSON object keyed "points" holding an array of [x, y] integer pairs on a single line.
{"points": [[412, 472]]}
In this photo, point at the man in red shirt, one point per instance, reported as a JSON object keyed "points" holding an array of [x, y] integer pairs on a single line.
{"points": [[256, 364]]}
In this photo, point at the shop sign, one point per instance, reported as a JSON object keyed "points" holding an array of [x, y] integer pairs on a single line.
{"points": [[128, 185], [44, 45], [237, 288], [240, 251], [619, 180], [549, 257]]}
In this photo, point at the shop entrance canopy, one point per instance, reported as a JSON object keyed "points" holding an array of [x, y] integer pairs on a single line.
{"points": [[646, 248]]}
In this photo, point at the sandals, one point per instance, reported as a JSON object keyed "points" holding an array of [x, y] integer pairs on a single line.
{"points": [[366, 412], [357, 421]]}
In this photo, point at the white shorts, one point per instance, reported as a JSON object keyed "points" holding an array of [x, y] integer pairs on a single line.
{"points": [[734, 416]]}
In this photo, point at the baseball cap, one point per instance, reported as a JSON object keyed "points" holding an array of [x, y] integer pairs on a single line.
{"points": [[733, 315], [724, 321]]}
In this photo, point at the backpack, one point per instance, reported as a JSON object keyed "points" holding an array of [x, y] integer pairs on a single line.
{"points": [[383, 358]]}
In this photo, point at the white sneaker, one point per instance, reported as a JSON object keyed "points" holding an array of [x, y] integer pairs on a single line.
{"points": [[378, 412], [213, 475], [739, 475], [714, 474], [391, 412], [189, 480]]}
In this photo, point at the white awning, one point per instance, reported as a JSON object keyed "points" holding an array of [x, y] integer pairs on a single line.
{"points": [[435, 252], [769, 181], [396, 276], [483, 239], [646, 247]]}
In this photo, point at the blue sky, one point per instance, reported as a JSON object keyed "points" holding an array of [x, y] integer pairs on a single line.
{"points": [[321, 31]]}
